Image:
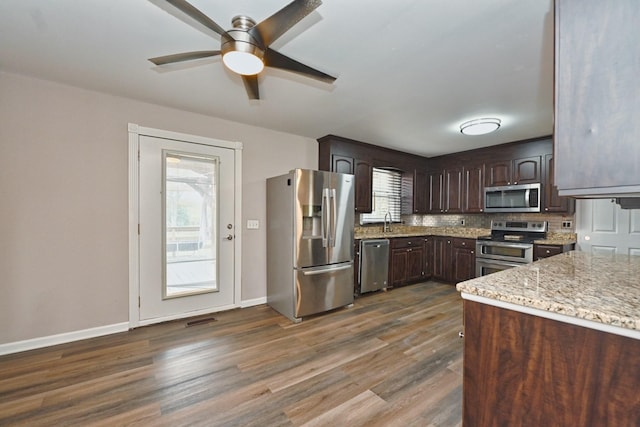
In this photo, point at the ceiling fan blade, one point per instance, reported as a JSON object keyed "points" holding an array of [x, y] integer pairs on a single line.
{"points": [[194, 13], [278, 23], [185, 56], [251, 86], [277, 60]]}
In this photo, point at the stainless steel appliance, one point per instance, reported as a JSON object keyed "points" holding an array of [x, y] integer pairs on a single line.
{"points": [[513, 198], [509, 245], [374, 265], [310, 219]]}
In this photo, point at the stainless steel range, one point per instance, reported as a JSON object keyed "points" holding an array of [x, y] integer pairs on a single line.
{"points": [[509, 245]]}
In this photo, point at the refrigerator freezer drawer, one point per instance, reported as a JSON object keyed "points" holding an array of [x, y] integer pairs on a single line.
{"points": [[324, 288]]}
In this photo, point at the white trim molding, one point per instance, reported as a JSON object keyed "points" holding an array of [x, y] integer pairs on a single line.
{"points": [[135, 131], [32, 344], [253, 302]]}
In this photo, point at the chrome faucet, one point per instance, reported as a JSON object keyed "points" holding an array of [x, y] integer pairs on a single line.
{"points": [[386, 226]]}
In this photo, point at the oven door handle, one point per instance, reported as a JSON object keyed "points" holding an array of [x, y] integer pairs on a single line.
{"points": [[485, 261], [506, 244]]}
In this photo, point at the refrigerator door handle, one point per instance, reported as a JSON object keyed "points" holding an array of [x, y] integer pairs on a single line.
{"points": [[334, 213], [324, 225], [326, 270]]}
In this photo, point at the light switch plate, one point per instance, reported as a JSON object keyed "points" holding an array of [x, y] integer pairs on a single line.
{"points": [[253, 224]]}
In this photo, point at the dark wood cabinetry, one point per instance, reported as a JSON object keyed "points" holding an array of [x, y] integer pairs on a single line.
{"points": [[406, 260], [338, 154], [428, 257], [596, 97], [545, 251], [463, 259], [435, 192], [454, 259], [447, 184], [363, 172], [442, 258], [420, 192], [513, 171], [445, 191], [473, 192], [553, 202], [524, 370], [453, 190]]}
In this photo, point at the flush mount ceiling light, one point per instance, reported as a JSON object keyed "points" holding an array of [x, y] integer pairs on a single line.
{"points": [[480, 126]]}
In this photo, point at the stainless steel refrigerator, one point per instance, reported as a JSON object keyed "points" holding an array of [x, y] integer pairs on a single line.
{"points": [[310, 219]]}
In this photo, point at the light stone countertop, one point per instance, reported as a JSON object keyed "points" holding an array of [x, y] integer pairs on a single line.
{"points": [[414, 231], [553, 238], [595, 289]]}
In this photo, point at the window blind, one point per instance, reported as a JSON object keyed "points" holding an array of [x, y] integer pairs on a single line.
{"points": [[386, 197]]}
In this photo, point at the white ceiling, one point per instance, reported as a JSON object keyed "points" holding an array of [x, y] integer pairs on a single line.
{"points": [[409, 71]]}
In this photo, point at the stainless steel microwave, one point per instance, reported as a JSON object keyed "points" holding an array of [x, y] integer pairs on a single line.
{"points": [[513, 198]]}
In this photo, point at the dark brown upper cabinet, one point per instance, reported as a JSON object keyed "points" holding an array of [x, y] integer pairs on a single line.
{"points": [[473, 192], [511, 172], [363, 173], [338, 154], [553, 202]]}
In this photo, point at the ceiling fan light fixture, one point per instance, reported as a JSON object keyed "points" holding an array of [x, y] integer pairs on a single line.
{"points": [[244, 63], [480, 126]]}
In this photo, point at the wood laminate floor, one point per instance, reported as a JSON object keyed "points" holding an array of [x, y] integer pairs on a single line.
{"points": [[393, 359]]}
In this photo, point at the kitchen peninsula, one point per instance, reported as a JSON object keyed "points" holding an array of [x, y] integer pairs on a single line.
{"points": [[556, 342]]}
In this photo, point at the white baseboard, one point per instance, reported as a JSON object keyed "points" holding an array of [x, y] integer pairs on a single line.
{"points": [[252, 302], [31, 344], [18, 346]]}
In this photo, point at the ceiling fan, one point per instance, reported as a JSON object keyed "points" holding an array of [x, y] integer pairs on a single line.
{"points": [[245, 48]]}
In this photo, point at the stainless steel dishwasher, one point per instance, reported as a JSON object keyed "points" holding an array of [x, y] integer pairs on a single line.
{"points": [[374, 265]]}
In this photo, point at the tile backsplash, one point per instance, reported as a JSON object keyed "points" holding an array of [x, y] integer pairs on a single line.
{"points": [[484, 220]]}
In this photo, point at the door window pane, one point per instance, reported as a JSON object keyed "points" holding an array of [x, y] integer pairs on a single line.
{"points": [[190, 243]]}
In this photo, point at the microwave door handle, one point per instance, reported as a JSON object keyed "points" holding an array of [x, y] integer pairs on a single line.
{"points": [[527, 197]]}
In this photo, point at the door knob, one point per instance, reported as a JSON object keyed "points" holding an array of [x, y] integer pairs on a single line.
{"points": [[230, 237]]}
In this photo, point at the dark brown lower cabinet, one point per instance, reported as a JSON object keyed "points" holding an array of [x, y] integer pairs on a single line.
{"points": [[463, 259], [428, 257], [406, 260], [524, 370], [454, 259], [442, 258], [545, 251]]}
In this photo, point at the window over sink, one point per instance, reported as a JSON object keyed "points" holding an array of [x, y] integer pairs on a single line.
{"points": [[386, 196]]}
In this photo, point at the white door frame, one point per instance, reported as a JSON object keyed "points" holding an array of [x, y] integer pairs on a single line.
{"points": [[134, 261]]}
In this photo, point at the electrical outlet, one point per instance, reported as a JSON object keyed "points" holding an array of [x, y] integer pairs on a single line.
{"points": [[462, 222], [253, 224], [567, 224]]}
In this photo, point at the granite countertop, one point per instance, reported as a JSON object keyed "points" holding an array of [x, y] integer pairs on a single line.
{"points": [[553, 238], [412, 231], [600, 289]]}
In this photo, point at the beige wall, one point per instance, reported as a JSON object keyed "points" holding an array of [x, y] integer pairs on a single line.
{"points": [[63, 201]]}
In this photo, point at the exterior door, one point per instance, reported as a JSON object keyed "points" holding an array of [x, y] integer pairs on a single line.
{"points": [[186, 235], [603, 227]]}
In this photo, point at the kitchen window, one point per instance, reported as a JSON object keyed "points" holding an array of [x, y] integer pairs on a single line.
{"points": [[386, 196]]}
